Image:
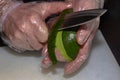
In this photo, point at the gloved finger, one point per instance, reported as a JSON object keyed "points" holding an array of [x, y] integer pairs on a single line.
{"points": [[46, 62], [14, 35], [79, 5], [40, 29], [31, 38], [85, 31], [50, 8], [44, 50], [82, 54]]}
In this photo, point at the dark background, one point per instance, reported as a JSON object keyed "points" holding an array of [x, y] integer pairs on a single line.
{"points": [[109, 26]]}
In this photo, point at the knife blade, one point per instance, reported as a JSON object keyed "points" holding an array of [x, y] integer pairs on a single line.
{"points": [[75, 19]]}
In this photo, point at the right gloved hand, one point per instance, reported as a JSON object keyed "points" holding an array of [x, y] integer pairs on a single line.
{"points": [[84, 37], [24, 27]]}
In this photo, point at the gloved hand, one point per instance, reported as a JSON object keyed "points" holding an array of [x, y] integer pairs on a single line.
{"points": [[23, 24], [84, 37]]}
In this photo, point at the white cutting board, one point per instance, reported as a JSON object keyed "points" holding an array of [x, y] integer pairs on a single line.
{"points": [[101, 65]]}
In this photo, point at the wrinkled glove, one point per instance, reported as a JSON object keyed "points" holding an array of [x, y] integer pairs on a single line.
{"points": [[84, 37], [23, 24]]}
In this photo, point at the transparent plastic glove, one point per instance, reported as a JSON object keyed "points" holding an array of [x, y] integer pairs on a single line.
{"points": [[24, 26], [84, 37]]}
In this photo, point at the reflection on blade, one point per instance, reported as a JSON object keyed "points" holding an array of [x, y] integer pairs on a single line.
{"points": [[81, 17]]}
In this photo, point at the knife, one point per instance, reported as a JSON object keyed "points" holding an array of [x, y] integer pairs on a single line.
{"points": [[75, 19]]}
